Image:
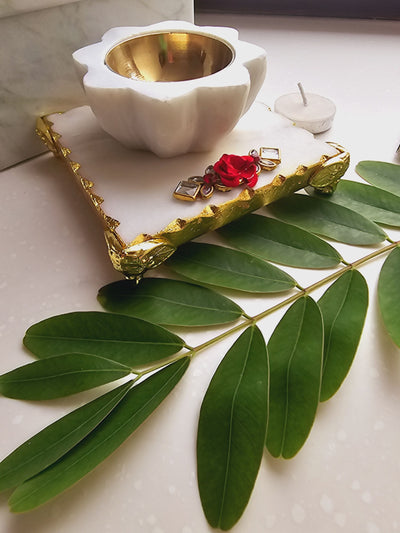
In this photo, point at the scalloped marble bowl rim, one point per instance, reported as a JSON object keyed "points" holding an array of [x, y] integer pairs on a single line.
{"points": [[114, 36]]}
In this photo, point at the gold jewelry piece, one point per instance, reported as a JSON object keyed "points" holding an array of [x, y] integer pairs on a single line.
{"points": [[228, 172]]}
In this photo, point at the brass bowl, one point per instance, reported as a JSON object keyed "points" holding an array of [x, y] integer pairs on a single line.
{"points": [[172, 56]]}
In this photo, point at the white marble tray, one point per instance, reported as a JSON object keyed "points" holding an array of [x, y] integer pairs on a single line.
{"points": [[132, 191]]}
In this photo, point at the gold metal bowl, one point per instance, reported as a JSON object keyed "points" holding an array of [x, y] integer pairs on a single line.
{"points": [[172, 56]]}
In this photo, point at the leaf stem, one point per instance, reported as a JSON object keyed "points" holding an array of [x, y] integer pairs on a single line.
{"points": [[247, 322], [250, 320], [162, 364], [376, 253], [291, 299]]}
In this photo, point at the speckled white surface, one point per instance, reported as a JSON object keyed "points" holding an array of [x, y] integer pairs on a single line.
{"points": [[347, 476]]}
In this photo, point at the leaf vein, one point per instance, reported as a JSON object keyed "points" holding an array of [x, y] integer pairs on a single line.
{"points": [[287, 379], [61, 375], [110, 341], [231, 270], [184, 304], [48, 448], [92, 450], [230, 427], [328, 344]]}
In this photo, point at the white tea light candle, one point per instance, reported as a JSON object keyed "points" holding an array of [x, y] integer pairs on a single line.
{"points": [[306, 110]]}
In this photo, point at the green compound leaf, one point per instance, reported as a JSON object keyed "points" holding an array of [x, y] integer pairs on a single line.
{"points": [[127, 416], [389, 294], [59, 376], [383, 175], [53, 442], [127, 340], [328, 219], [295, 352], [169, 302], [274, 240], [231, 432], [373, 203], [343, 306], [223, 267]]}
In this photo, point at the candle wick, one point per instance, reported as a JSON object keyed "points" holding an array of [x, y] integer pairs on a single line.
{"points": [[303, 94]]}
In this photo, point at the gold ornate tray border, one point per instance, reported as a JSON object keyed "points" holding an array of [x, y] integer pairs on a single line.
{"points": [[149, 251]]}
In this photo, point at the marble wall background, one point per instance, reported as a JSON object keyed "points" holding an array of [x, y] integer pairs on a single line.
{"points": [[15, 7], [37, 74]]}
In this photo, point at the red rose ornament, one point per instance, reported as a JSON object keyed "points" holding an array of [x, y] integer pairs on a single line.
{"points": [[234, 170]]}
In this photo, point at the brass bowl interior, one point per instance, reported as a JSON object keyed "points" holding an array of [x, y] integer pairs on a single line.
{"points": [[172, 56]]}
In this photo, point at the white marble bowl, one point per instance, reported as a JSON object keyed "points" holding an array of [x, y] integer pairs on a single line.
{"points": [[171, 87]]}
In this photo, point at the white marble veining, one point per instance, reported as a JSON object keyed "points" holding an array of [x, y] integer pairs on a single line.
{"points": [[37, 70], [15, 7]]}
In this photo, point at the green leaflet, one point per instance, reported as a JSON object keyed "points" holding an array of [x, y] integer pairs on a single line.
{"points": [[383, 175], [51, 443], [274, 240], [328, 219], [389, 294], [231, 431], [343, 306], [295, 352], [60, 376], [127, 416], [127, 340], [169, 302], [373, 203], [216, 265]]}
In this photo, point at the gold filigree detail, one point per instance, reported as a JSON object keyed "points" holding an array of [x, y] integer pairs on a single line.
{"points": [[43, 130], [209, 210], [132, 261], [301, 169], [86, 184], [112, 223], [246, 194], [96, 199], [326, 178], [53, 140], [65, 151], [74, 165]]}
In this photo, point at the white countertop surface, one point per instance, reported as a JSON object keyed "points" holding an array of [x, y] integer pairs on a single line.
{"points": [[53, 260]]}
